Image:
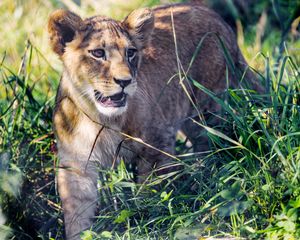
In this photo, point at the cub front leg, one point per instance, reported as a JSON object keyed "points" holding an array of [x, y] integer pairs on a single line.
{"points": [[77, 173], [78, 192]]}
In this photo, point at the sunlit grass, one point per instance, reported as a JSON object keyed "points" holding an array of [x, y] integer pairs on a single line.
{"points": [[27, 21]]}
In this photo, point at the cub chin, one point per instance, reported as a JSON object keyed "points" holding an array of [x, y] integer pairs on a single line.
{"points": [[121, 79]]}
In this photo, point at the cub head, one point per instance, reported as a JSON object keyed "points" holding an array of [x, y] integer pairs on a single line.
{"points": [[101, 56]]}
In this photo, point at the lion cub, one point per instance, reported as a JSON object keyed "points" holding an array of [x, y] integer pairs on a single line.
{"points": [[121, 79]]}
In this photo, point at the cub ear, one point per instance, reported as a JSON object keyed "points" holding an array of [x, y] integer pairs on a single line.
{"points": [[140, 24], [62, 27]]}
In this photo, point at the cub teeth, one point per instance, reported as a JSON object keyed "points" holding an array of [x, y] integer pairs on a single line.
{"points": [[98, 95], [115, 100]]}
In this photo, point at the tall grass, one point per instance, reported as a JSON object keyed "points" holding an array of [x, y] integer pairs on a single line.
{"points": [[246, 186], [28, 197]]}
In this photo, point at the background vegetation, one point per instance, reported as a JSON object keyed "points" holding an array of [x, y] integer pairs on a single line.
{"points": [[246, 186]]}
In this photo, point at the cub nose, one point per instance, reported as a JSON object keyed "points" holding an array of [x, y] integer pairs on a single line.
{"points": [[123, 83]]}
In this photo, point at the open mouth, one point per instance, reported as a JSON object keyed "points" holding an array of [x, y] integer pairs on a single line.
{"points": [[116, 100]]}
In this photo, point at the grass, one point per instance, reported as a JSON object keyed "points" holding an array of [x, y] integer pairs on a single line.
{"points": [[246, 186]]}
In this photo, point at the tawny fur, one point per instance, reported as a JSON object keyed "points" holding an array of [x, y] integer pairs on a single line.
{"points": [[157, 105]]}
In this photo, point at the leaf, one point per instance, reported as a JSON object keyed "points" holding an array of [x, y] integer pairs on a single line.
{"points": [[106, 234], [165, 196], [227, 194], [266, 187], [296, 203], [123, 216], [219, 134], [231, 193], [192, 233], [250, 229], [11, 183], [288, 225], [292, 214], [234, 207], [87, 235]]}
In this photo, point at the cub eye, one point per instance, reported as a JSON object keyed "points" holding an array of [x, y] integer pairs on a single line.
{"points": [[131, 52], [98, 53]]}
